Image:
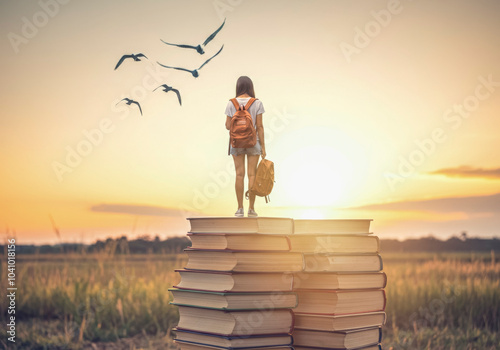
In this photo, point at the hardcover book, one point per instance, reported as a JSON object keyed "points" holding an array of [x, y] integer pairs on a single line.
{"points": [[234, 301], [328, 226], [227, 260], [327, 262], [221, 281], [352, 339], [334, 243], [369, 347], [233, 342], [241, 225], [235, 323], [339, 322], [340, 302], [231, 241], [339, 280], [193, 346]]}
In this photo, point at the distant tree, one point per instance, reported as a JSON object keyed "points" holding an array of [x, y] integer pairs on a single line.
{"points": [[123, 245], [144, 237]]}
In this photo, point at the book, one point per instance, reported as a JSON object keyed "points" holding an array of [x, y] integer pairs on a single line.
{"points": [[335, 280], [324, 262], [241, 225], [339, 322], [308, 243], [229, 323], [220, 281], [337, 340], [233, 342], [316, 226], [369, 347], [192, 346], [227, 260], [233, 241], [234, 301], [340, 302]]}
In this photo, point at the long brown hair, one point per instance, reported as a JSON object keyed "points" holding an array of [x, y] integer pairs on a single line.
{"points": [[244, 85]]}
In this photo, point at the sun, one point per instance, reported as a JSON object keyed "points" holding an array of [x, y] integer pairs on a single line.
{"points": [[321, 172], [317, 175]]}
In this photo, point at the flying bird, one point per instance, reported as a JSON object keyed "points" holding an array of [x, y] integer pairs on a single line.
{"points": [[167, 88], [129, 102], [199, 48], [195, 71], [135, 57]]}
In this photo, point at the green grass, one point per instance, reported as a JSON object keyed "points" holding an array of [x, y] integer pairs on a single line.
{"points": [[434, 301]]}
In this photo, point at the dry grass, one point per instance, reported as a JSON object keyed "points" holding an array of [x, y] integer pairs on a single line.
{"points": [[447, 301], [102, 301]]}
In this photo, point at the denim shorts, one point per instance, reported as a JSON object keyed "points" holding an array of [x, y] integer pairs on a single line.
{"points": [[252, 151]]}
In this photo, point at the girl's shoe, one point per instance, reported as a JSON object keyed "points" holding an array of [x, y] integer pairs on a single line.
{"points": [[251, 213], [239, 213]]}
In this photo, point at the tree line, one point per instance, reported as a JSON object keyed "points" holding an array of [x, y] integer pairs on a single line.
{"points": [[174, 245], [122, 245]]}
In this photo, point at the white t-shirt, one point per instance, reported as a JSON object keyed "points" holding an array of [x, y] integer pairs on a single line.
{"points": [[255, 109]]}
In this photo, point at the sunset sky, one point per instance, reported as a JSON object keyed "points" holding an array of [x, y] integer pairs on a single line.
{"points": [[374, 109]]}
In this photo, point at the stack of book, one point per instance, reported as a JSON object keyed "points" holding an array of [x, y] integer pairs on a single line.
{"points": [[236, 289], [341, 300]]}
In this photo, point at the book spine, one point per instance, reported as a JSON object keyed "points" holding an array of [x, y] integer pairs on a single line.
{"points": [[283, 346], [204, 290], [385, 299], [293, 320], [289, 243], [385, 280]]}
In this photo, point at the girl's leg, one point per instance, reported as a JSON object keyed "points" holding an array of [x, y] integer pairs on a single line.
{"points": [[239, 165], [252, 162]]}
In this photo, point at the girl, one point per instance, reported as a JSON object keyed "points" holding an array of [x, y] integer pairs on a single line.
{"points": [[244, 91]]}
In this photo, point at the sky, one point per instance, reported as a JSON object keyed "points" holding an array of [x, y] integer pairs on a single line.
{"points": [[386, 110]]}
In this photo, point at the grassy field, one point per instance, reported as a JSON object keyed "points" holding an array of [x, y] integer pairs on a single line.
{"points": [[447, 301]]}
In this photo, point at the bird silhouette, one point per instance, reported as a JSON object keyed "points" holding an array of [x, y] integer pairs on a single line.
{"points": [[195, 71], [167, 88], [129, 102], [199, 48], [135, 57]]}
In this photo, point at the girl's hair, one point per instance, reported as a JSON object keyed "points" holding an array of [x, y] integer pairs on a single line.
{"points": [[244, 85]]}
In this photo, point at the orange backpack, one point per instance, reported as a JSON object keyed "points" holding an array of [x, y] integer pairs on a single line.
{"points": [[264, 180], [242, 133]]}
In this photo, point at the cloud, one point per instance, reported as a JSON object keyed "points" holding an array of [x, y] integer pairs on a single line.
{"points": [[469, 172], [472, 204], [149, 210]]}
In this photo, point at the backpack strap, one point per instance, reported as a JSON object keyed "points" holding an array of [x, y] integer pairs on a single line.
{"points": [[249, 103], [235, 103]]}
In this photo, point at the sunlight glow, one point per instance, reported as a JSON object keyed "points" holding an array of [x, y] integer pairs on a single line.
{"points": [[311, 213], [321, 178], [321, 166]]}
